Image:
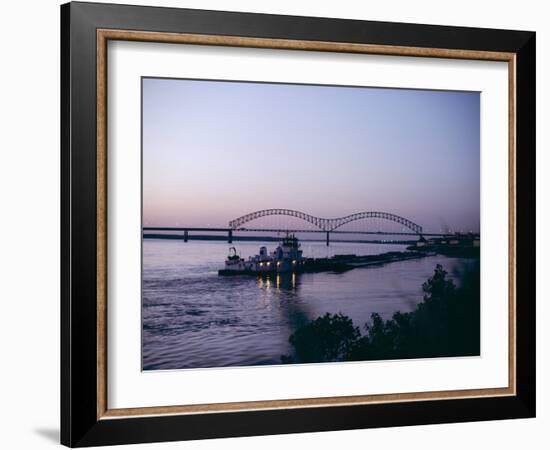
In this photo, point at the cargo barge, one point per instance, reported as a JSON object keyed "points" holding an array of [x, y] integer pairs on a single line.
{"points": [[288, 258]]}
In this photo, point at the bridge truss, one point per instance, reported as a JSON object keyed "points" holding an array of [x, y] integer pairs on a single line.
{"points": [[326, 225]]}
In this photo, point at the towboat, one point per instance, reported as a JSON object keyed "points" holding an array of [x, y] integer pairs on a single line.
{"points": [[287, 257]]}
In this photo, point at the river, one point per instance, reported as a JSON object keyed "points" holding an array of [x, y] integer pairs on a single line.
{"points": [[193, 318]]}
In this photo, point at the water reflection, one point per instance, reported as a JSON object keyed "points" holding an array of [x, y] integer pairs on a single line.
{"points": [[286, 281]]}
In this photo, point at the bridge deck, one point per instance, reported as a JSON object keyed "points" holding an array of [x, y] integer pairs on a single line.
{"points": [[281, 230]]}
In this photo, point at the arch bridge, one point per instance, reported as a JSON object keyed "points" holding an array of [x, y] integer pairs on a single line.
{"points": [[324, 224]]}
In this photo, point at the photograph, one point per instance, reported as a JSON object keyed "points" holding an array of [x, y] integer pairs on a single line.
{"points": [[299, 223]]}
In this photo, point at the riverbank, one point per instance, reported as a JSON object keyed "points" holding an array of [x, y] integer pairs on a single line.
{"points": [[444, 324], [454, 251]]}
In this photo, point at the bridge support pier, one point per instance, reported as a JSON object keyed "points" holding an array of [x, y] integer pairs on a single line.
{"points": [[185, 236], [230, 237], [328, 238]]}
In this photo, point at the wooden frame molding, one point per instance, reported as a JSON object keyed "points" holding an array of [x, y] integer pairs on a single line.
{"points": [[103, 36]]}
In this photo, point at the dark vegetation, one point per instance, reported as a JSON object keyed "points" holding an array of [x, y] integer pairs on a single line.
{"points": [[446, 323]]}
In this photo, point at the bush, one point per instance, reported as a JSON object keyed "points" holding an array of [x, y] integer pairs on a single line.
{"points": [[327, 338], [446, 323]]}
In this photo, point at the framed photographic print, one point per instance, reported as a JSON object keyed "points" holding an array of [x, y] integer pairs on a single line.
{"points": [[276, 224]]}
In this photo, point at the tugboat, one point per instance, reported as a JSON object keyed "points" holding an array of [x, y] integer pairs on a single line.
{"points": [[287, 257]]}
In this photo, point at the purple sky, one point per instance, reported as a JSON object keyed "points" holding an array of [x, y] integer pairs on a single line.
{"points": [[214, 150]]}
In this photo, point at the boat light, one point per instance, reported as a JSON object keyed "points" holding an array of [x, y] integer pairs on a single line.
{"points": [[268, 263], [278, 263], [294, 262], [261, 264]]}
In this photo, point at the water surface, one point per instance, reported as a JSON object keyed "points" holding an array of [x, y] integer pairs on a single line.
{"points": [[194, 318]]}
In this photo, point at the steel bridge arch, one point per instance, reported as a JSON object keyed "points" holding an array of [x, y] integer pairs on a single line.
{"points": [[322, 223]]}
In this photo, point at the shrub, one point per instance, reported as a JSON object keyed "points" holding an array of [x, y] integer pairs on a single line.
{"points": [[445, 323]]}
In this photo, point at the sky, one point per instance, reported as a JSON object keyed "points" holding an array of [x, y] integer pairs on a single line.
{"points": [[215, 150]]}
